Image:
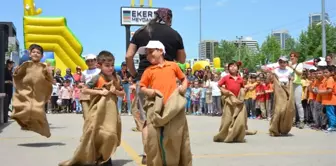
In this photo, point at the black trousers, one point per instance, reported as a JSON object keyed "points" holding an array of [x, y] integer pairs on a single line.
{"points": [[7, 101]]}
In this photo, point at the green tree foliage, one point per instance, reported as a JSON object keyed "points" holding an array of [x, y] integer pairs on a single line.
{"points": [[226, 51], [271, 49], [310, 41], [11, 48]]}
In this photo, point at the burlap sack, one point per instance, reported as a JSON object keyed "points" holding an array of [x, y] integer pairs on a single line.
{"points": [[102, 132], [233, 126], [33, 88], [284, 106], [168, 135], [136, 114]]}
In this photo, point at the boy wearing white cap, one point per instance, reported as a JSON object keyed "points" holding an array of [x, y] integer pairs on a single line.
{"points": [[162, 73], [160, 78]]}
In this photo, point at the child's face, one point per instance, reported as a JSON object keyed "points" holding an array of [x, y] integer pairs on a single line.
{"points": [[35, 55], [67, 84], [196, 84], [233, 69], [153, 56], [107, 68], [319, 74], [54, 81], [253, 80], [216, 77], [327, 73]]}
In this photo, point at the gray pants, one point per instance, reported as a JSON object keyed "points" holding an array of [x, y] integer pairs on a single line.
{"points": [[298, 98], [217, 104], [320, 118], [140, 103]]}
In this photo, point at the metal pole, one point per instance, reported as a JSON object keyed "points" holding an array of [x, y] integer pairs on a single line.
{"points": [[200, 20], [324, 44], [128, 35]]}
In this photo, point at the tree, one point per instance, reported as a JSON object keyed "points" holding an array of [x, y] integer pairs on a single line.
{"points": [[310, 41], [226, 51], [271, 49], [11, 48], [291, 45]]}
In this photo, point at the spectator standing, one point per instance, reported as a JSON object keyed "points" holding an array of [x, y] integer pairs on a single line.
{"points": [[125, 75]]}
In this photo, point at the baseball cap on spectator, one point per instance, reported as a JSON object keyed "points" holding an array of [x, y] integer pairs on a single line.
{"points": [[322, 63], [283, 58], [153, 44], [123, 64], [90, 57]]}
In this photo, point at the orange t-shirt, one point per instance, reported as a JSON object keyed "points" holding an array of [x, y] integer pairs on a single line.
{"points": [[162, 78], [319, 85], [312, 95], [328, 99]]}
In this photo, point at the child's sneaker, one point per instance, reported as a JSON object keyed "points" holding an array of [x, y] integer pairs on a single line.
{"points": [[331, 129]]}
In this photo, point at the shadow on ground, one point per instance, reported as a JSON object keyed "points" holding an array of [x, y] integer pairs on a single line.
{"points": [[57, 127], [120, 162], [39, 145], [4, 125]]}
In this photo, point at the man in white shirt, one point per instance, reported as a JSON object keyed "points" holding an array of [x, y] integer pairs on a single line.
{"points": [[87, 75]]}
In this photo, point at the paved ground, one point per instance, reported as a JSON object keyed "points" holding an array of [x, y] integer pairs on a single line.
{"points": [[303, 148]]}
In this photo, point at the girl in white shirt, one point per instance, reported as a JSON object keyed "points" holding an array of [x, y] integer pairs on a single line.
{"points": [[216, 95]]}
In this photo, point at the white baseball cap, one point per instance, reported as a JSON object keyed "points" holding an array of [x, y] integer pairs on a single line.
{"points": [[90, 57], [322, 63], [152, 44], [283, 58]]}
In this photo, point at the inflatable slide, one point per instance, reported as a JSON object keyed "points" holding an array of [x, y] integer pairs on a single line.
{"points": [[53, 34]]}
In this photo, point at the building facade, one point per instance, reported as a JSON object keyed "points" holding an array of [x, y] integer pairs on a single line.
{"points": [[316, 18], [281, 36], [248, 42], [207, 49]]}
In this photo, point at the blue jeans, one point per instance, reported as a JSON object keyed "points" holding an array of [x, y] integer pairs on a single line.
{"points": [[128, 99], [330, 111], [78, 106]]}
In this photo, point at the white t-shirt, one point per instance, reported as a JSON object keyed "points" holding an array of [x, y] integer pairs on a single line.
{"points": [[283, 74], [215, 90], [55, 89], [223, 74], [299, 68], [89, 74]]}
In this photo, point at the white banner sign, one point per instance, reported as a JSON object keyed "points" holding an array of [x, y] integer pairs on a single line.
{"points": [[136, 16]]}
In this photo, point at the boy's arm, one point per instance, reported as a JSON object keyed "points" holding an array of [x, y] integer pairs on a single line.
{"points": [[88, 88], [119, 92], [144, 83], [330, 84]]}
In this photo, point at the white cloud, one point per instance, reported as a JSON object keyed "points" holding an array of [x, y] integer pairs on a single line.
{"points": [[191, 8], [221, 2]]}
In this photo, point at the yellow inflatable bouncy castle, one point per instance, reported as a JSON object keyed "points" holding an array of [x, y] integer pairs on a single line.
{"points": [[53, 34], [199, 65]]}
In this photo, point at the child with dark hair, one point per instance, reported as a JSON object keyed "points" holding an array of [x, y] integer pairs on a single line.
{"points": [[233, 126], [33, 88], [102, 127], [319, 117], [261, 96], [327, 97], [66, 95]]}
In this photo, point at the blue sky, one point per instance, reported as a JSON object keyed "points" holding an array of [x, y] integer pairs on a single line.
{"points": [[97, 23]]}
